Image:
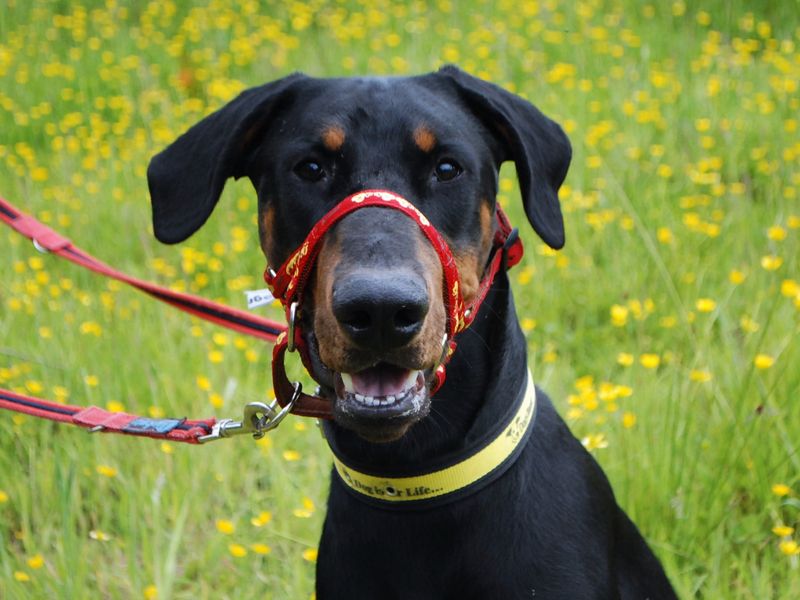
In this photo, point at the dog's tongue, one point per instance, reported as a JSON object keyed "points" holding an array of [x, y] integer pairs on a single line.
{"points": [[381, 380]]}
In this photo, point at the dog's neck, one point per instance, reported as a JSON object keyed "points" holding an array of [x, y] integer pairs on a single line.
{"points": [[485, 375]]}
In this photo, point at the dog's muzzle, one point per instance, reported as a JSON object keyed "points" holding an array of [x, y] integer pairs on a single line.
{"points": [[288, 285]]}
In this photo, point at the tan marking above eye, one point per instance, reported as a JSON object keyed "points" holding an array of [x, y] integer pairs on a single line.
{"points": [[424, 138], [333, 137]]}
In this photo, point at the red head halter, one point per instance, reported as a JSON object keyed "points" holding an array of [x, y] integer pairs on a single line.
{"points": [[288, 285]]}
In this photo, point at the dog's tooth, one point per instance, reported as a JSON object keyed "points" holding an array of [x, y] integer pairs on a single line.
{"points": [[389, 399], [411, 380], [367, 400], [348, 382], [420, 381]]}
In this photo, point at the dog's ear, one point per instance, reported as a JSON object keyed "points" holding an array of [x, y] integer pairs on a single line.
{"points": [[186, 179], [538, 146]]}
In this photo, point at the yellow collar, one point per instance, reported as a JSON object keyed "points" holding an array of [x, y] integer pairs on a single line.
{"points": [[464, 476]]}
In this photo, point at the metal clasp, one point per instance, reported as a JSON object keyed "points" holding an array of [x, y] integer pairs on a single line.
{"points": [[259, 418]]}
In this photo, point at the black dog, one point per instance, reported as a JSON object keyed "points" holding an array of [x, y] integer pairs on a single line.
{"points": [[541, 520]]}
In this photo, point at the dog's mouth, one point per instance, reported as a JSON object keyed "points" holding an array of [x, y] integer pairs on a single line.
{"points": [[381, 402]]}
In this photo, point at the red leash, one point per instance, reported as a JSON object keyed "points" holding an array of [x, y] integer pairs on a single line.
{"points": [[257, 416], [47, 240], [288, 285], [97, 419]]}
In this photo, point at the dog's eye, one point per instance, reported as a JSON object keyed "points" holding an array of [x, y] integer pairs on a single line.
{"points": [[447, 170], [309, 170]]}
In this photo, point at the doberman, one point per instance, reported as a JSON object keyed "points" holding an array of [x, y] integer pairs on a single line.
{"points": [[535, 517]]}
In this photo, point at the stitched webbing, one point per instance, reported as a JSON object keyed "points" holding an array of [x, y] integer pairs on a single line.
{"points": [[288, 284], [51, 241], [100, 420]]}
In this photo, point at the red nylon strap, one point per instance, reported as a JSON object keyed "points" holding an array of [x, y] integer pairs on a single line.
{"points": [[288, 285], [176, 430], [180, 430], [98, 419], [305, 405], [59, 245]]}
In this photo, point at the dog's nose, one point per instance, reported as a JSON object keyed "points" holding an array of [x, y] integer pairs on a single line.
{"points": [[380, 311]]}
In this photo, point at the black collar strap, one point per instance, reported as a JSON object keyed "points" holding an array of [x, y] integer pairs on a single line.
{"points": [[467, 473]]}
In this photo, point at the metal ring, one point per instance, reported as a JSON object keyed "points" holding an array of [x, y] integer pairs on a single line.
{"points": [[272, 422]]}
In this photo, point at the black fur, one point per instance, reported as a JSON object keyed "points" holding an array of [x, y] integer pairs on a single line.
{"points": [[549, 527]]}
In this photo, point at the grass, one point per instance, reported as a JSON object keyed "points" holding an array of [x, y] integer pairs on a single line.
{"points": [[667, 329]]}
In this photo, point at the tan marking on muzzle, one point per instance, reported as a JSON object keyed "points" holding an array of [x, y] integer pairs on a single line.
{"points": [[471, 262], [266, 223], [333, 137], [337, 351], [326, 327]]}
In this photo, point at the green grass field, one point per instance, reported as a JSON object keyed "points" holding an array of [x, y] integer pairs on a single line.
{"points": [[666, 330]]}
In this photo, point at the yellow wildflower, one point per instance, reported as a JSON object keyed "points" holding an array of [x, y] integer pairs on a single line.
{"points": [[106, 471], [262, 519], [705, 305], [736, 277], [310, 555], [115, 406], [36, 561], [225, 526], [763, 361], [628, 420], [291, 455], [595, 441], [771, 262], [260, 548], [625, 359], [789, 547], [619, 315], [776, 233], [700, 375], [781, 489], [100, 536], [650, 361], [790, 288]]}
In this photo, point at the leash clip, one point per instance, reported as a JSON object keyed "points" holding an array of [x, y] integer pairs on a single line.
{"points": [[258, 419]]}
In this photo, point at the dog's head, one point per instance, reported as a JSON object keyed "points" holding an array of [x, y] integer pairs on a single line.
{"points": [[373, 312]]}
